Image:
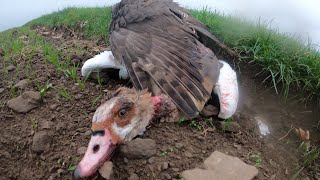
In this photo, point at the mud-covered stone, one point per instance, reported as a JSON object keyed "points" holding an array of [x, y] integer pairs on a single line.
{"points": [[133, 176], [222, 166], [106, 170], [139, 148], [25, 102], [10, 68], [82, 150], [40, 142], [22, 84]]}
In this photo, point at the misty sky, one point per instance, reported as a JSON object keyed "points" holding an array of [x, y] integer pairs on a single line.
{"points": [[292, 16]]}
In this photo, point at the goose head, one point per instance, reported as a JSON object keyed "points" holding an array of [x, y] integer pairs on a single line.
{"points": [[117, 121]]}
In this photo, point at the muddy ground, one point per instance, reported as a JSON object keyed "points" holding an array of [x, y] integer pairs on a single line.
{"points": [[67, 122]]}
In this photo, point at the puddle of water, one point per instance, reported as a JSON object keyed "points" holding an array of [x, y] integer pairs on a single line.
{"points": [[263, 127], [273, 115]]}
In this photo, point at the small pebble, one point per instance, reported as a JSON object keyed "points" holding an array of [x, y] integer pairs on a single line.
{"points": [[134, 176], [167, 176], [151, 160], [125, 160], [87, 133], [179, 146], [175, 169], [188, 154], [10, 68], [53, 107], [165, 165]]}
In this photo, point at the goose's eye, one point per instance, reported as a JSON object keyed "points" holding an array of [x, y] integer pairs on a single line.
{"points": [[122, 112]]}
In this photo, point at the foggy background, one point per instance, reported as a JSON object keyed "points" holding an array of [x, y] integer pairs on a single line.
{"points": [[289, 16]]}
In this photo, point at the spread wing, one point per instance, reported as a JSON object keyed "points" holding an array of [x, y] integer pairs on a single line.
{"points": [[159, 47]]}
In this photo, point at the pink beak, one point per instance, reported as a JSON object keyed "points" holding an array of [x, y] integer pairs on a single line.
{"points": [[99, 150]]}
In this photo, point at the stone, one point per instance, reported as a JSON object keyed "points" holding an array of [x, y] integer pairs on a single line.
{"points": [[25, 102], [165, 165], [166, 176], [46, 124], [139, 148], [10, 68], [151, 160], [106, 170], [133, 176], [1, 90], [179, 146], [221, 166], [188, 154], [22, 84], [81, 150], [229, 126], [175, 169], [53, 107], [209, 110], [88, 133], [40, 142]]}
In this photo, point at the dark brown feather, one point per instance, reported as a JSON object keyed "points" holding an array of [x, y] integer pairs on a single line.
{"points": [[157, 42]]}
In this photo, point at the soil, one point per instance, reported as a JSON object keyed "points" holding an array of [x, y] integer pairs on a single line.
{"points": [[71, 121]]}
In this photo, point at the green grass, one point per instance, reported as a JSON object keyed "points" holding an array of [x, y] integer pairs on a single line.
{"points": [[285, 61], [93, 22]]}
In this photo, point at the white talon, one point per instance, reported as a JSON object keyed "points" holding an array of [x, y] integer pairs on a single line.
{"points": [[101, 61], [227, 91]]}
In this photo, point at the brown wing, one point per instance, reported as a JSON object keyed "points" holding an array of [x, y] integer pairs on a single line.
{"points": [[158, 46]]}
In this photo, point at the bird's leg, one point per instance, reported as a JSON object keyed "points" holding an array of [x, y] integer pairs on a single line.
{"points": [[104, 61]]}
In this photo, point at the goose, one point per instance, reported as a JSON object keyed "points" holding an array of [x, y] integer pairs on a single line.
{"points": [[166, 54]]}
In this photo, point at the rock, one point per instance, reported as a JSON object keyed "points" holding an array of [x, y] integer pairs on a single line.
{"points": [[1, 90], [82, 150], [53, 107], [139, 148], [179, 146], [165, 165], [133, 176], [46, 124], [188, 154], [222, 166], [151, 160], [40, 142], [175, 169], [229, 126], [22, 84], [88, 133], [209, 110], [125, 160], [211, 129], [166, 176], [10, 68], [25, 102], [106, 170], [59, 172]]}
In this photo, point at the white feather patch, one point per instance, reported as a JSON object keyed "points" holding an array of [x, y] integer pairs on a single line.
{"points": [[103, 60], [227, 91], [103, 111]]}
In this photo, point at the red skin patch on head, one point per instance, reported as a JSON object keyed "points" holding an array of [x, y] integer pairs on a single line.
{"points": [[156, 102]]}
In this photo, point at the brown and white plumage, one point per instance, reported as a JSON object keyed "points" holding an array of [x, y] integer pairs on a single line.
{"points": [[164, 51], [159, 44]]}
